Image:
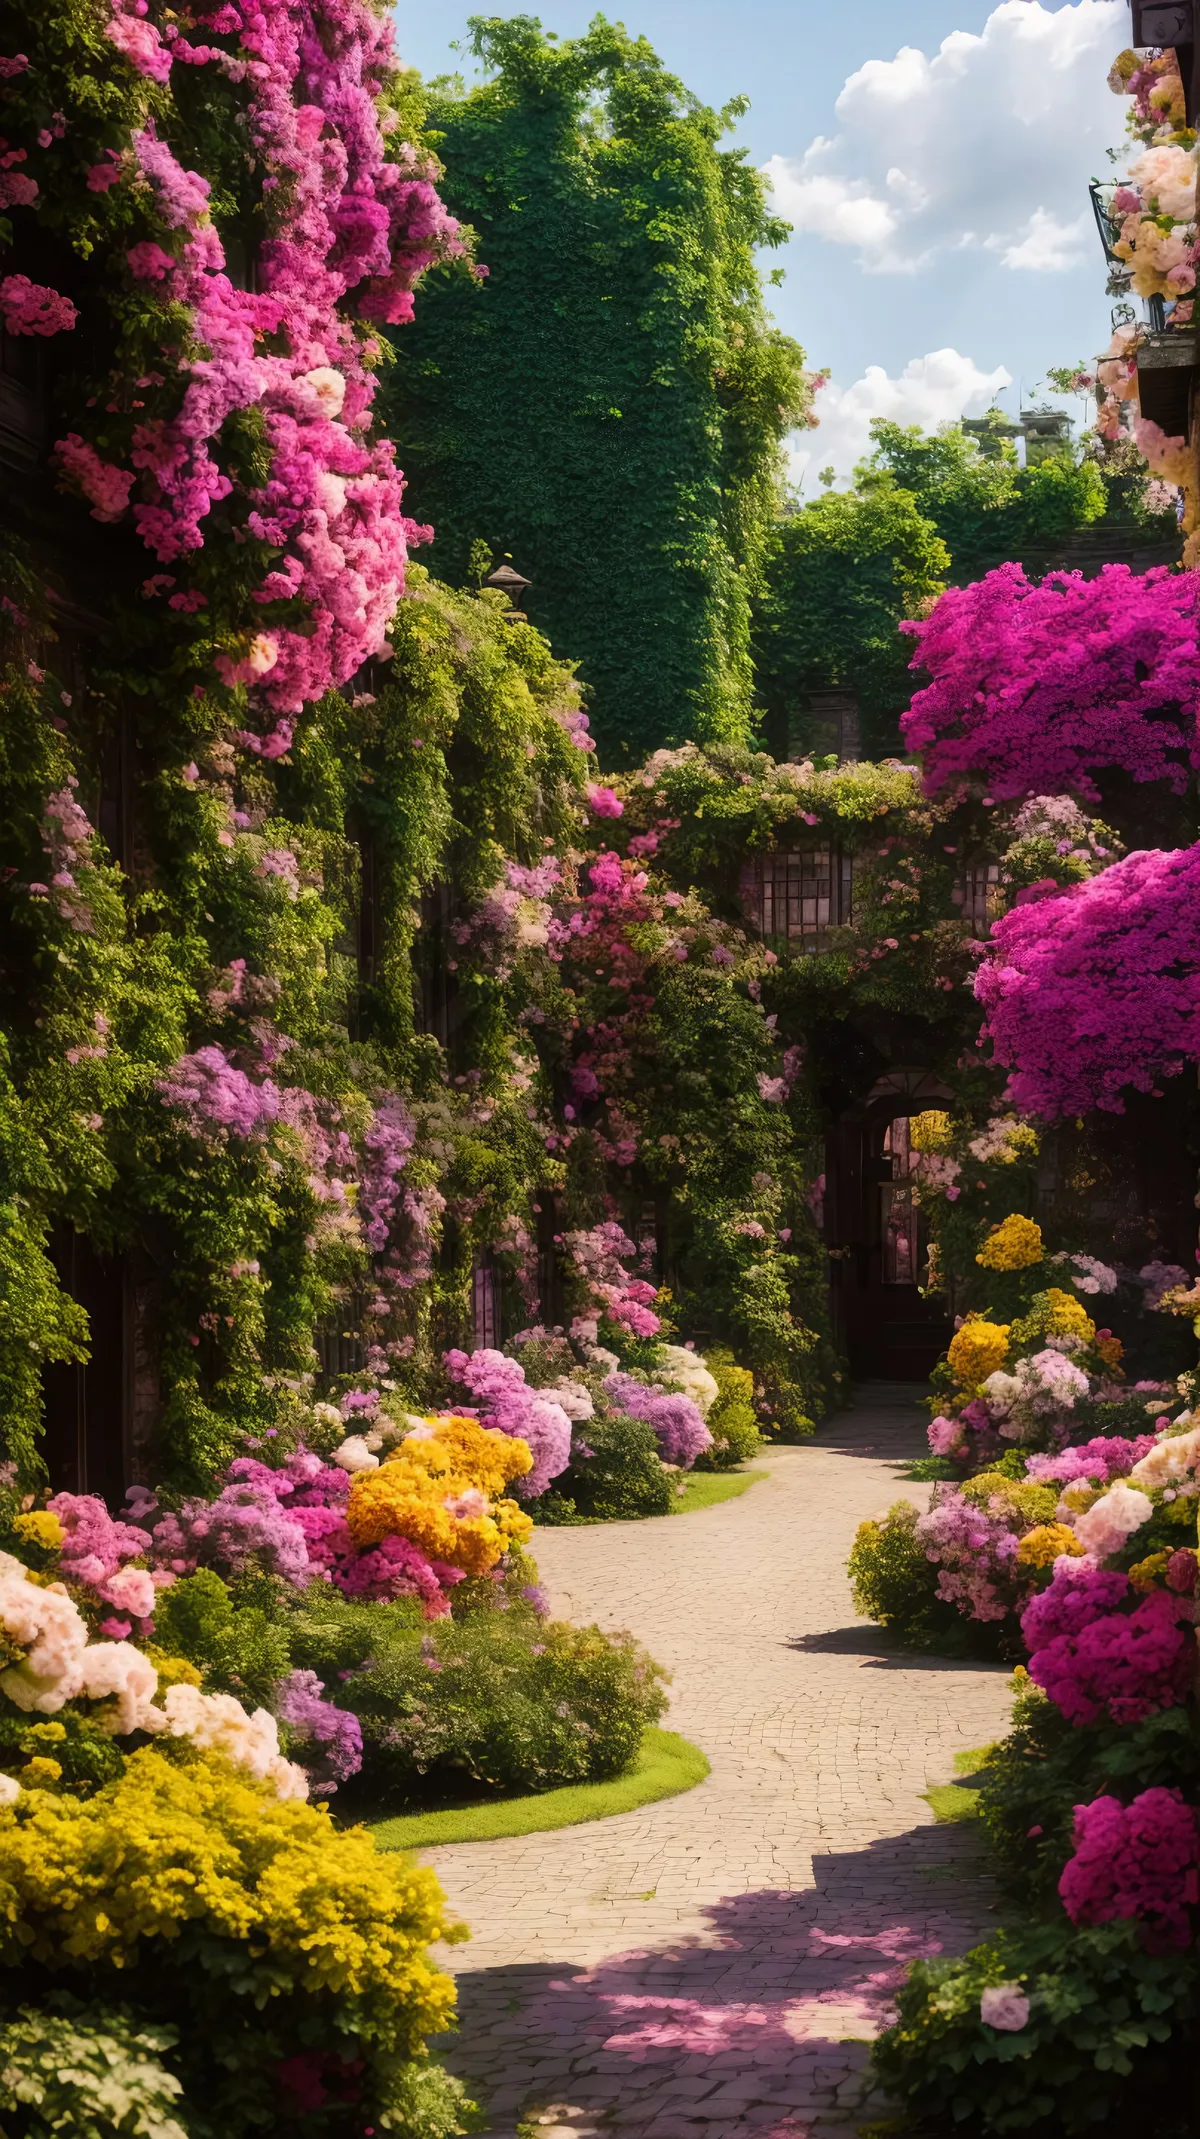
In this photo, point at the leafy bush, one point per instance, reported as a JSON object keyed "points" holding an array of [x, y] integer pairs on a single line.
{"points": [[731, 1420], [496, 1701], [895, 1585], [288, 1959], [1032, 1781], [1100, 2009], [237, 1638], [619, 1479], [91, 2071]]}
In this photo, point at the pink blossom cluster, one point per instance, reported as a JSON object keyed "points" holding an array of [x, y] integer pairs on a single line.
{"points": [[678, 1427], [507, 1402], [1038, 686], [351, 227], [216, 1099], [1107, 1456], [397, 1221], [67, 838], [1138, 1861], [599, 1255], [105, 487], [1093, 990], [95, 1553], [1094, 1660], [975, 1552], [30, 308]]}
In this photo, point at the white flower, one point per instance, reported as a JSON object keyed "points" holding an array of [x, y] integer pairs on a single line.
{"points": [[218, 1723], [354, 1455], [329, 388], [1171, 1461], [10, 1789], [46, 1624], [688, 1369], [116, 1668], [573, 1398], [1105, 1526]]}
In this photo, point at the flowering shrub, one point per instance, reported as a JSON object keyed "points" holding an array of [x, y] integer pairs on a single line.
{"points": [[1015, 1244], [1039, 687], [509, 1406], [435, 1489], [678, 1427], [1138, 1861], [1094, 990], [189, 1893]]}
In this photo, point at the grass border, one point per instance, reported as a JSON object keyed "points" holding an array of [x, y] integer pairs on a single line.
{"points": [[666, 1765], [707, 1489]]}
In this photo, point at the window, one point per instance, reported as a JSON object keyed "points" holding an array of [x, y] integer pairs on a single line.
{"points": [[796, 896], [973, 891], [485, 1306]]}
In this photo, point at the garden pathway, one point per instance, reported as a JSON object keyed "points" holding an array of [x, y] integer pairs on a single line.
{"points": [[710, 1967]]}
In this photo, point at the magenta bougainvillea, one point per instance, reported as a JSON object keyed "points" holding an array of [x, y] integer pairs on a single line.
{"points": [[1138, 1860], [1041, 687], [1096, 989]]}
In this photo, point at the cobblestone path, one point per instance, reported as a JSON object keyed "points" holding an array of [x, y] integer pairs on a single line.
{"points": [[712, 1966]]}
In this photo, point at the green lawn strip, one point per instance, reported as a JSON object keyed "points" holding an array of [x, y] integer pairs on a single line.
{"points": [[957, 1800], [703, 1489], [666, 1765]]}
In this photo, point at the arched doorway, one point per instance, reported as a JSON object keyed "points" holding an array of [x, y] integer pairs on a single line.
{"points": [[877, 1236]]}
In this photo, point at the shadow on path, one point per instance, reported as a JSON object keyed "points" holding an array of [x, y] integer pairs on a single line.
{"points": [[758, 2027]]}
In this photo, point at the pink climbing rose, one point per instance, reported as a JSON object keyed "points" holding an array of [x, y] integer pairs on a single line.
{"points": [[30, 308]]}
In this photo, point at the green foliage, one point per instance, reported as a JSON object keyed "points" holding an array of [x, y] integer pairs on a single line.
{"points": [[665, 1765], [92, 2071], [893, 1582], [239, 1644], [984, 507], [619, 1479], [607, 406], [1100, 2009], [731, 1420], [840, 575], [493, 1701]]}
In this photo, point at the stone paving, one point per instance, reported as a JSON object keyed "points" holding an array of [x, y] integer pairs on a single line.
{"points": [[713, 1966]]}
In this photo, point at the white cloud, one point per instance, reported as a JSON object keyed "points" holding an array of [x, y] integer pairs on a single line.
{"points": [[988, 143], [931, 390]]}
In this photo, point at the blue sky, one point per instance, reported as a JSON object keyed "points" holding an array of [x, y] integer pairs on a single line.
{"points": [[943, 237]]}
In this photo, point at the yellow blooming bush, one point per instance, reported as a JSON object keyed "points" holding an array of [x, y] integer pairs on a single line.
{"points": [[39, 1527], [94, 1883], [1015, 1244], [978, 1349], [1041, 1547], [440, 1490], [930, 1131], [1053, 1313]]}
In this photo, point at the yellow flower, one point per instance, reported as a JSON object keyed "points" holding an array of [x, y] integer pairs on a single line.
{"points": [[39, 1527], [1147, 1573], [438, 1491], [313, 1909], [1041, 1547], [929, 1131], [1111, 1351], [978, 1349], [1067, 1317], [1015, 1244]]}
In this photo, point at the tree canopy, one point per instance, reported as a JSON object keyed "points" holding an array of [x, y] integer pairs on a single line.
{"points": [[606, 406], [841, 575]]}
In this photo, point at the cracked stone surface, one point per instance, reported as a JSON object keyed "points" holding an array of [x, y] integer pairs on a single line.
{"points": [[713, 1966]]}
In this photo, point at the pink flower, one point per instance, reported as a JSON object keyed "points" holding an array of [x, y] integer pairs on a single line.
{"points": [[148, 261], [106, 488], [1137, 1861], [103, 176], [30, 308], [140, 44], [1004, 2006], [603, 802]]}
